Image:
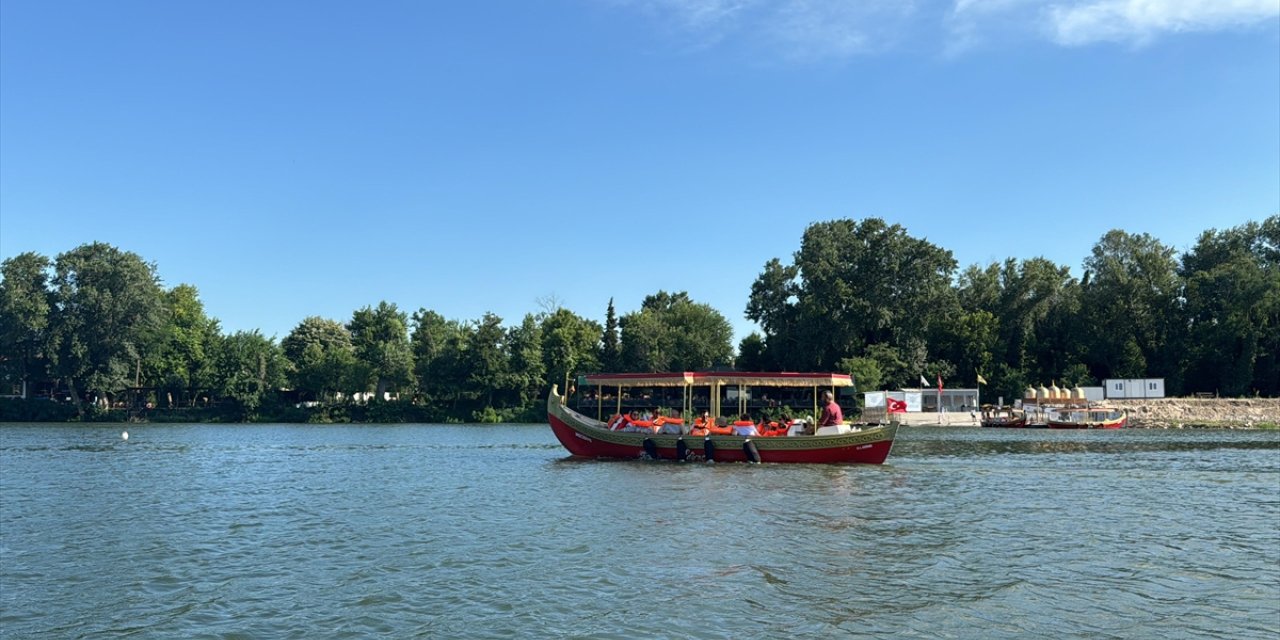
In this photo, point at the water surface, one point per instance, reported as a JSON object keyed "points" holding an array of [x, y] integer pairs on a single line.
{"points": [[299, 531]]}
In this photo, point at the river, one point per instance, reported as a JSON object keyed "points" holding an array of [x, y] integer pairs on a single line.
{"points": [[435, 531]]}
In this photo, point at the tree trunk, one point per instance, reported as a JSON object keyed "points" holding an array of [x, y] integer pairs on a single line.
{"points": [[75, 397]]}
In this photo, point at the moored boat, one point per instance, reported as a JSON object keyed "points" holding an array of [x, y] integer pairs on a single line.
{"points": [[1088, 418], [1006, 417], [589, 437]]}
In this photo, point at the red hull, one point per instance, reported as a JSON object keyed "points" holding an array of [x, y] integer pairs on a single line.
{"points": [[1109, 424], [581, 437]]}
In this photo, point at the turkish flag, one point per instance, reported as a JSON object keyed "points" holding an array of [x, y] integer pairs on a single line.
{"points": [[896, 406]]}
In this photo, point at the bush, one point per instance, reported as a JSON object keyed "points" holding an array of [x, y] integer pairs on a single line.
{"points": [[35, 410]]}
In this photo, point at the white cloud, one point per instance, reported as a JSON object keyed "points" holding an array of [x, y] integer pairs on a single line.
{"points": [[835, 29], [798, 29], [1140, 21]]}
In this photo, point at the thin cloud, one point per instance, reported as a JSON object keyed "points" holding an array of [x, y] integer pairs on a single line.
{"points": [[839, 29], [795, 29], [1141, 21], [1084, 22]]}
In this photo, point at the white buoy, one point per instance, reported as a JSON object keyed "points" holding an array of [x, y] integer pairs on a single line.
{"points": [[124, 435]]}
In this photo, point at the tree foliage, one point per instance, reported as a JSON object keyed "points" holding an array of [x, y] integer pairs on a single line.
{"points": [[380, 336], [108, 314], [851, 285], [863, 297], [671, 332]]}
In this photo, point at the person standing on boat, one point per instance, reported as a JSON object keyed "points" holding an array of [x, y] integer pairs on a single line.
{"points": [[831, 414]]}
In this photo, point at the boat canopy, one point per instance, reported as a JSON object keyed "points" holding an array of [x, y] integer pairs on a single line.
{"points": [[715, 380]]}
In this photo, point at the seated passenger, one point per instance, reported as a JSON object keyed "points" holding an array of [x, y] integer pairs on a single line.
{"points": [[744, 426], [617, 422], [701, 424], [637, 425], [668, 424], [773, 429], [717, 430]]}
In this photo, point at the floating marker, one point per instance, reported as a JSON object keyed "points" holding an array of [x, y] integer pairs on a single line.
{"points": [[124, 435]]}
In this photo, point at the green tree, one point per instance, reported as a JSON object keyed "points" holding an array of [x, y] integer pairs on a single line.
{"points": [[670, 332], [610, 350], [1130, 304], [1232, 296], [438, 347], [570, 345], [752, 354], [108, 310], [865, 372], [25, 305], [486, 360], [248, 367], [528, 369], [182, 362], [851, 285], [380, 336], [322, 357]]}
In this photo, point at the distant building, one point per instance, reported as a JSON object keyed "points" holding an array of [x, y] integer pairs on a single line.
{"points": [[925, 400], [1131, 388]]}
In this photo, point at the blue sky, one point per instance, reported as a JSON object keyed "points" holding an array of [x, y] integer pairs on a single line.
{"points": [[297, 159]]}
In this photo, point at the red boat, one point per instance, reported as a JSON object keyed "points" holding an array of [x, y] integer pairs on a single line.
{"points": [[591, 437], [1090, 418]]}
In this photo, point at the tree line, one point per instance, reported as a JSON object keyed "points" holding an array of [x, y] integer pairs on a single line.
{"points": [[95, 325]]}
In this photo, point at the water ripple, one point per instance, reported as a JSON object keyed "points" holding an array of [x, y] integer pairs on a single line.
{"points": [[287, 531]]}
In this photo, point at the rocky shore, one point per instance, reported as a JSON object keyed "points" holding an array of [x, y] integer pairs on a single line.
{"points": [[1162, 413], [1180, 413]]}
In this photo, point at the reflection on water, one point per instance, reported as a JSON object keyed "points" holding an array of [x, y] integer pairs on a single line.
{"points": [[446, 531]]}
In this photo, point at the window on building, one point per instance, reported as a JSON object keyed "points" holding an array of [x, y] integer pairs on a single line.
{"points": [[1151, 386]]}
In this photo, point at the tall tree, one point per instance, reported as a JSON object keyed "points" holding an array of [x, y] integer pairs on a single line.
{"points": [[609, 346], [487, 361], [1233, 308], [1130, 305], [570, 345], [380, 336], [852, 284], [321, 356], [249, 366], [438, 348], [671, 332], [108, 310], [25, 304], [528, 369], [182, 360]]}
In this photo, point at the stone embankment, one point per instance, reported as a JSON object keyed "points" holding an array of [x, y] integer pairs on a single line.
{"points": [[1178, 413]]}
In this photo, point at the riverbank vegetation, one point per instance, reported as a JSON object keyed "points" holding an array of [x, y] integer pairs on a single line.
{"points": [[93, 334]]}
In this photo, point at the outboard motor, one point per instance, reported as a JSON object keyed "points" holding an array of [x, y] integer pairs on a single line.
{"points": [[749, 448], [709, 450], [682, 450]]}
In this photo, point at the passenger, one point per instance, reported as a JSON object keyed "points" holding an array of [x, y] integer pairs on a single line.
{"points": [[745, 427], [639, 425], [831, 414], [701, 424], [717, 430], [774, 429], [669, 424]]}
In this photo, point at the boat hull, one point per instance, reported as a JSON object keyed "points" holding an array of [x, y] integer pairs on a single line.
{"points": [[1118, 423], [588, 438], [1017, 423]]}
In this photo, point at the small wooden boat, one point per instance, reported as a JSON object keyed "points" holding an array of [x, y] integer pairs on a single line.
{"points": [[589, 437], [1003, 417], [1088, 418]]}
